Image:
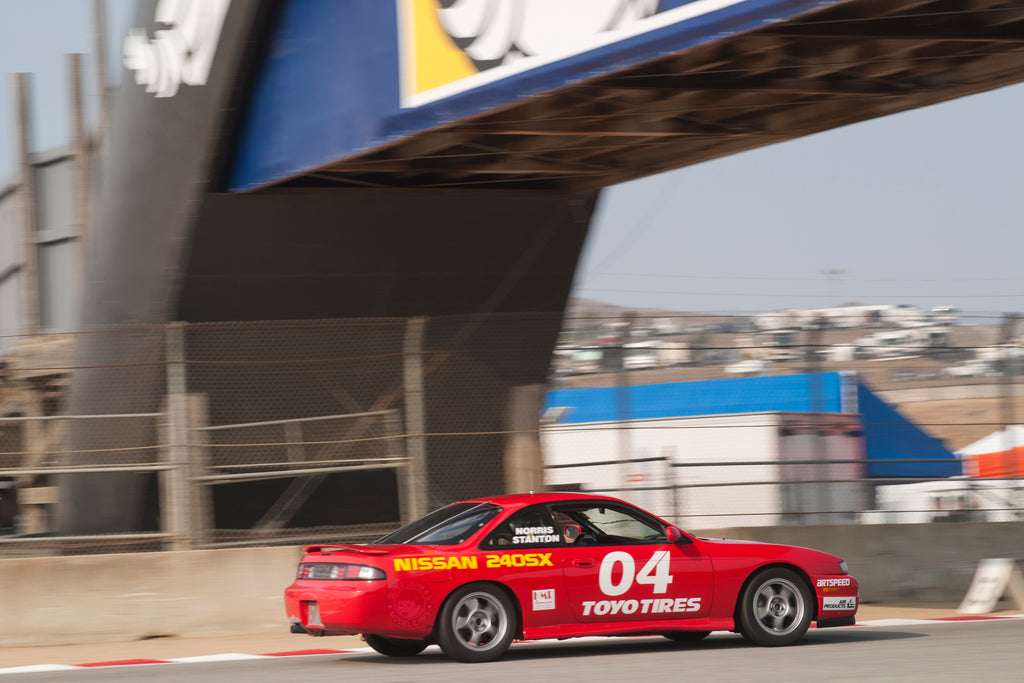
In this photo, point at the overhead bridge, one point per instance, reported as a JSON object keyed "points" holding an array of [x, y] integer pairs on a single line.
{"points": [[697, 96]]}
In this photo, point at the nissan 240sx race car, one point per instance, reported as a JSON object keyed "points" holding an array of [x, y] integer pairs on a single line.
{"points": [[477, 574]]}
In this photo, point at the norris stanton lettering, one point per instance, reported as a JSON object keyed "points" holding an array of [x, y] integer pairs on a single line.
{"points": [[535, 534]]}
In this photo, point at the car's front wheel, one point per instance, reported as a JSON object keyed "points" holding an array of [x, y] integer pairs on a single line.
{"points": [[477, 624], [776, 608], [395, 647]]}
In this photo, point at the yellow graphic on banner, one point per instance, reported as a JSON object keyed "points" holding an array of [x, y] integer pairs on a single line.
{"points": [[433, 59], [457, 45]]}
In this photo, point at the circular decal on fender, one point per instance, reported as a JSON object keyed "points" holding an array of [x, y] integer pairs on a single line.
{"points": [[410, 603]]}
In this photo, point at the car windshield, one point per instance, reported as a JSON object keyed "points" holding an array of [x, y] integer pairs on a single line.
{"points": [[447, 526]]}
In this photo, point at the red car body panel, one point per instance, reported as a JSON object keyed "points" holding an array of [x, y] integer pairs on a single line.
{"points": [[563, 591]]}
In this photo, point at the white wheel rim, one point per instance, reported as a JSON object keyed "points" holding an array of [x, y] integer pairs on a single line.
{"points": [[480, 621], [779, 606]]}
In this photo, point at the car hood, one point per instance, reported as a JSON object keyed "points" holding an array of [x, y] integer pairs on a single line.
{"points": [[814, 561]]}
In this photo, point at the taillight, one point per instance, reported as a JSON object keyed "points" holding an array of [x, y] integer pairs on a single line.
{"points": [[339, 572]]}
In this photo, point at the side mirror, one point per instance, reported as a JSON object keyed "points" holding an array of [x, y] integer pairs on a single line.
{"points": [[571, 532], [673, 535]]}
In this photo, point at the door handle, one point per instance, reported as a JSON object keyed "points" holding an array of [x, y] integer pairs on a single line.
{"points": [[583, 563]]}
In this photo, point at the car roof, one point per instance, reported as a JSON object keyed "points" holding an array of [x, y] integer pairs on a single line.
{"points": [[523, 499]]}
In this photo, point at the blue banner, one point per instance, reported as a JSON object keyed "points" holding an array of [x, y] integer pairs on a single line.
{"points": [[343, 77]]}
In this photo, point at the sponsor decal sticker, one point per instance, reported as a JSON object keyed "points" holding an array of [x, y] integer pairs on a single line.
{"points": [[645, 606], [544, 599], [409, 603], [832, 583], [838, 603]]}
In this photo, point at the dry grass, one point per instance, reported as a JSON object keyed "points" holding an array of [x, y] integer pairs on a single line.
{"points": [[961, 422]]}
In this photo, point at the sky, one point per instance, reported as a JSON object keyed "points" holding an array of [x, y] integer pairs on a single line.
{"points": [[922, 208]]}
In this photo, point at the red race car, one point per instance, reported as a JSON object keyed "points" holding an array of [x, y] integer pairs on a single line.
{"points": [[475, 575]]}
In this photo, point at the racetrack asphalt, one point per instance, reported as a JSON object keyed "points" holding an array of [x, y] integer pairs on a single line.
{"points": [[284, 643]]}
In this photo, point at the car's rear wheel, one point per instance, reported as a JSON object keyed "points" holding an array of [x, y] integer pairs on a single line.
{"points": [[477, 624], [395, 647], [686, 636], [775, 608]]}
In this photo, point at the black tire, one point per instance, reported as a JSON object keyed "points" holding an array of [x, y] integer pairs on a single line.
{"points": [[477, 624], [686, 636], [395, 647], [776, 608]]}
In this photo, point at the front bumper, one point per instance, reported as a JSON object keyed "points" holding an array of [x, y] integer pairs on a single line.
{"points": [[838, 600]]}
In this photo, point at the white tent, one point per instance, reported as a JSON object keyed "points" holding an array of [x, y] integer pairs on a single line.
{"points": [[999, 440]]}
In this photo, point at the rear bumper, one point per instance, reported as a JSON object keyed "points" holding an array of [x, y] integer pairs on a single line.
{"points": [[351, 607], [337, 607]]}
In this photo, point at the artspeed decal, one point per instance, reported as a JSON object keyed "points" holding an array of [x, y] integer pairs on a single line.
{"points": [[838, 603], [450, 46], [822, 583], [181, 51]]}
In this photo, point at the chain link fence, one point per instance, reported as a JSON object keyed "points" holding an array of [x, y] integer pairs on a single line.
{"points": [[224, 434]]}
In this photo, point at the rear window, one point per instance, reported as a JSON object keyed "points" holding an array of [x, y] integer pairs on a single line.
{"points": [[449, 525]]}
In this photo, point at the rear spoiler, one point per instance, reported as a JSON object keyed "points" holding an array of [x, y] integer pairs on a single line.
{"points": [[343, 548]]}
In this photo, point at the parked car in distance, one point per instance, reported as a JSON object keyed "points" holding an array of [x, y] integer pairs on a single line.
{"points": [[972, 368]]}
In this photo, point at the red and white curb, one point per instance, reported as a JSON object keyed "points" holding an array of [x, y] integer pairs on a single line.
{"points": [[959, 619], [226, 657], [234, 656]]}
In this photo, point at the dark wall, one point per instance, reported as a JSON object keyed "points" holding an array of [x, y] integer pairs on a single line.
{"points": [[490, 271], [297, 254]]}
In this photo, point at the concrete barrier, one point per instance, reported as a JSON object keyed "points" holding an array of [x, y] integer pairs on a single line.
{"points": [[94, 598], [902, 562]]}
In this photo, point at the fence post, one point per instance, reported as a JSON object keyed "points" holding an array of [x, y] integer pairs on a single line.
{"points": [[198, 453], [524, 465], [392, 423], [177, 509], [414, 481], [669, 454]]}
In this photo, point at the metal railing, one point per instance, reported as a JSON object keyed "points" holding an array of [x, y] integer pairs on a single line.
{"points": [[738, 500]]}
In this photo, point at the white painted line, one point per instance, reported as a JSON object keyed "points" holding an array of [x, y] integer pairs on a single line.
{"points": [[36, 668], [951, 620], [226, 657]]}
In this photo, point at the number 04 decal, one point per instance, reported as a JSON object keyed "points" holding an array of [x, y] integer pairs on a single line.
{"points": [[654, 573]]}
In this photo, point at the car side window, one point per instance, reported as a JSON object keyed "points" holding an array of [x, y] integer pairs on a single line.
{"points": [[531, 527], [603, 524]]}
